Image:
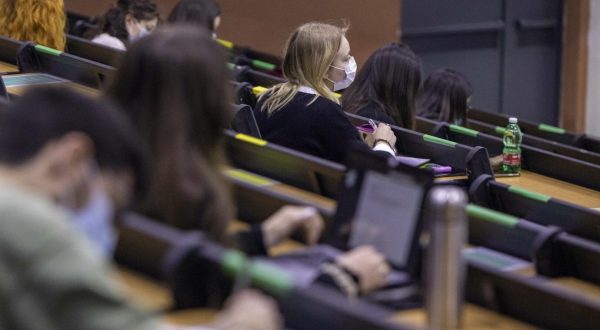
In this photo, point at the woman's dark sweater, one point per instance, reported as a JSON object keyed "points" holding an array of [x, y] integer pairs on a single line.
{"points": [[375, 112], [318, 128]]}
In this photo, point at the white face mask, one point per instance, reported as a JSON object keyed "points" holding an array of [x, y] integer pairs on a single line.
{"points": [[143, 31], [350, 70]]}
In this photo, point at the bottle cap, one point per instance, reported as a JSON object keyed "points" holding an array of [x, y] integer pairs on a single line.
{"points": [[513, 120]]}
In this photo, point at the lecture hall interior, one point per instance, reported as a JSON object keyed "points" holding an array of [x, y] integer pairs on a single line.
{"points": [[264, 164]]}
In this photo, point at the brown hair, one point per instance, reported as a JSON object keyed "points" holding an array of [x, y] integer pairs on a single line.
{"points": [[390, 78], [445, 96], [173, 85], [200, 12], [40, 21]]}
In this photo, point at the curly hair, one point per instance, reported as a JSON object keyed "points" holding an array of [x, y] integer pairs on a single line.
{"points": [[40, 21]]}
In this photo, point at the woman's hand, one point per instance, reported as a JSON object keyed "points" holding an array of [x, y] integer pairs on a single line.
{"points": [[368, 265], [496, 162], [384, 132], [249, 310], [287, 220]]}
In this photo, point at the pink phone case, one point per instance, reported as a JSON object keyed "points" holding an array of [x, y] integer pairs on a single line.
{"points": [[365, 128]]}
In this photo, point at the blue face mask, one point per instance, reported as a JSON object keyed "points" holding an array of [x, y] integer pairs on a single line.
{"points": [[95, 221]]}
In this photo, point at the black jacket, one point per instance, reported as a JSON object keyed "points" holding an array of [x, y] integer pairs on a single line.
{"points": [[315, 126], [375, 112]]}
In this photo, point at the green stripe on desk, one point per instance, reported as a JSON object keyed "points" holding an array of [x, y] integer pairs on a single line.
{"points": [[48, 50], [500, 129], [234, 262], [437, 140], [551, 129], [263, 65], [271, 278], [463, 130], [264, 276], [529, 194], [486, 214]]}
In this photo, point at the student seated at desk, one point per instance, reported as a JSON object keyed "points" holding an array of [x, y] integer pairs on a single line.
{"points": [[126, 22], [174, 87], [445, 97], [303, 113], [40, 21], [205, 13], [57, 150], [386, 87]]}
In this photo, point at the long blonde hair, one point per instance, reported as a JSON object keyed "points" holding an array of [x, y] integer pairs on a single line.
{"points": [[40, 21], [309, 52]]}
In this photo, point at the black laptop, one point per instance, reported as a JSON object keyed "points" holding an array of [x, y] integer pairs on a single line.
{"points": [[381, 204]]}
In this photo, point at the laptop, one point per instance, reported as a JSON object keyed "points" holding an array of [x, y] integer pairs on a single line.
{"points": [[381, 204]]}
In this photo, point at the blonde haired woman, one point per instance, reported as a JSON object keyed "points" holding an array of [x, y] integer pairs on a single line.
{"points": [[40, 21], [304, 112]]}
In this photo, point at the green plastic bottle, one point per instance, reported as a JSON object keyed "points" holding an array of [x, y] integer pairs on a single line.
{"points": [[511, 154]]}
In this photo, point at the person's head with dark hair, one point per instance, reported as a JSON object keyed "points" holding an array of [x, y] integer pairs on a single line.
{"points": [[130, 20], [78, 151], [389, 81], [174, 87], [445, 97], [206, 13]]}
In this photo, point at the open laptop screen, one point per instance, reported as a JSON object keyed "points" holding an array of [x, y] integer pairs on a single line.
{"points": [[387, 214]]}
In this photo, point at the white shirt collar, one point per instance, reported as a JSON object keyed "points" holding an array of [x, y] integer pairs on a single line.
{"points": [[307, 90]]}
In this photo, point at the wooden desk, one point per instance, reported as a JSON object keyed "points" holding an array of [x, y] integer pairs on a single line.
{"points": [[261, 182], [6, 67], [558, 189], [576, 286], [148, 294], [314, 199], [154, 296], [191, 317], [144, 292], [474, 317], [151, 295], [157, 297]]}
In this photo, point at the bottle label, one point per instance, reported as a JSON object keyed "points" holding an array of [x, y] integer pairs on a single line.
{"points": [[511, 159]]}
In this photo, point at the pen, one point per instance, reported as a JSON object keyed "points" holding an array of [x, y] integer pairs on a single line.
{"points": [[372, 123]]}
